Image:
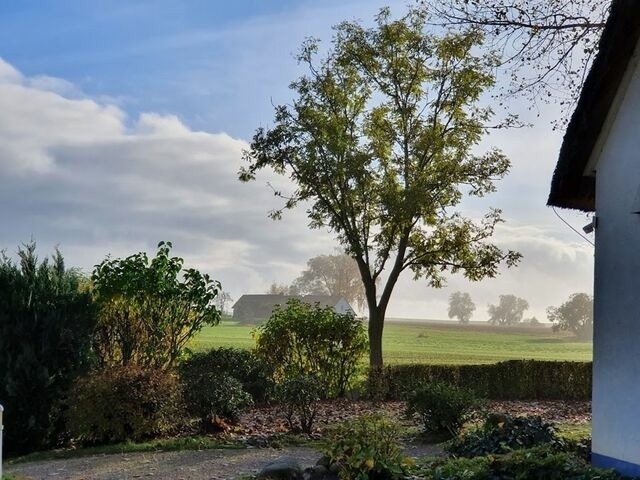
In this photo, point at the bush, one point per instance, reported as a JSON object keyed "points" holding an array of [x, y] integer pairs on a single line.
{"points": [[125, 403], [149, 309], [46, 320], [366, 447], [212, 395], [510, 380], [301, 339], [299, 396], [441, 408], [254, 374], [540, 463], [501, 434]]}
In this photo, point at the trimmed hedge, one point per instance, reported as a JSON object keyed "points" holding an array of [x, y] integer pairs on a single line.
{"points": [[509, 380]]}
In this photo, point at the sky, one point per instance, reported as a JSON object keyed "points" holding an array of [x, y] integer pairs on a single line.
{"points": [[122, 123]]}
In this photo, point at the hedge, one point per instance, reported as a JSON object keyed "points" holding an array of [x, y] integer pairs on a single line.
{"points": [[509, 380]]}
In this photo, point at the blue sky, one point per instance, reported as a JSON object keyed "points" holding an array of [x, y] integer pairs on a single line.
{"points": [[122, 123]]}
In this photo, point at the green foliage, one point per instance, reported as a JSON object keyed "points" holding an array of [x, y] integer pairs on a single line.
{"points": [[509, 310], [510, 380], [214, 394], [462, 469], [575, 315], [548, 464], [45, 328], [150, 309], [366, 448], [502, 435], [299, 397], [253, 373], [442, 408], [461, 307], [301, 339], [124, 403], [541, 463], [381, 141]]}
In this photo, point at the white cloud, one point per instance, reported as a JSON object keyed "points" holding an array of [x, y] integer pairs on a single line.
{"points": [[80, 173]]}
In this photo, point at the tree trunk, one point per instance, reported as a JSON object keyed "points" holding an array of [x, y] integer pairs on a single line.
{"points": [[376, 325]]}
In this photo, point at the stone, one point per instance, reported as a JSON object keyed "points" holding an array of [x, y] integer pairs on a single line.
{"points": [[285, 468]]}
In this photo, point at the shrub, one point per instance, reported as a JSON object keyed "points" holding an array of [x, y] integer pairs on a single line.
{"points": [[150, 309], [462, 469], [46, 321], [502, 435], [124, 403], [442, 408], [299, 396], [366, 447], [212, 395], [253, 373], [301, 339], [540, 463], [510, 380]]}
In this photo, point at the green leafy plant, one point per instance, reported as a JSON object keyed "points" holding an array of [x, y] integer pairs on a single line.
{"points": [[214, 394], [254, 374], [540, 462], [299, 397], [125, 403], [46, 320], [150, 308], [302, 339], [501, 434], [366, 448], [441, 408]]}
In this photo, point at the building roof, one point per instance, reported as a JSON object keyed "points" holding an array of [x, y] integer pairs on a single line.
{"points": [[570, 187], [266, 302]]}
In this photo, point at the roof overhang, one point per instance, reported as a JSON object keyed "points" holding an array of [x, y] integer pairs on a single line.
{"points": [[573, 183]]}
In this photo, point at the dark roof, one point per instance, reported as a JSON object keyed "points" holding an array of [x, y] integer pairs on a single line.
{"points": [[323, 300], [266, 302], [570, 187]]}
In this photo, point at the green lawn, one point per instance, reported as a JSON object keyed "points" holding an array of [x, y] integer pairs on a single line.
{"points": [[438, 342]]}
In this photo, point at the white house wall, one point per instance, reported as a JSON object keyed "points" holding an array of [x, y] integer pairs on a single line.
{"points": [[616, 368]]}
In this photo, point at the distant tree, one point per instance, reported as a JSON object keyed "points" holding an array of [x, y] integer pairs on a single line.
{"points": [[281, 289], [575, 315], [333, 275], [223, 302], [381, 141], [461, 306], [46, 320], [533, 321], [149, 309], [509, 310], [547, 45]]}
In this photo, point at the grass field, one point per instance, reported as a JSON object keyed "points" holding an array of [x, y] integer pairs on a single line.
{"points": [[438, 342]]}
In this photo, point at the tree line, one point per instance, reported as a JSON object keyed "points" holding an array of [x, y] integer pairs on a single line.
{"points": [[575, 315]]}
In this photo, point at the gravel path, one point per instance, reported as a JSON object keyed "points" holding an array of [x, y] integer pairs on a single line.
{"points": [[182, 465]]}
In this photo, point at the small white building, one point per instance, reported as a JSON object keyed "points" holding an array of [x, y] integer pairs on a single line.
{"points": [[598, 171]]}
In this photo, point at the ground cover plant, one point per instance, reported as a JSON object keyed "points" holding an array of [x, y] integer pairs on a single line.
{"points": [[436, 343]]}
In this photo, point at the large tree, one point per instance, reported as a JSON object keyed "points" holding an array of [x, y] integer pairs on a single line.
{"points": [[381, 143], [548, 44], [461, 306], [509, 310], [575, 315], [333, 275]]}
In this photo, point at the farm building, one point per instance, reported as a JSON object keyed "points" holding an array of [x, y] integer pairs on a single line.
{"points": [[255, 308], [598, 171]]}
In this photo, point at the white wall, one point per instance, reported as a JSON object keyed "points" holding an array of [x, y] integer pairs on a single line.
{"points": [[616, 388]]}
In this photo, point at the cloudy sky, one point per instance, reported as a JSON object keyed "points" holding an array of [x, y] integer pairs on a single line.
{"points": [[123, 124]]}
